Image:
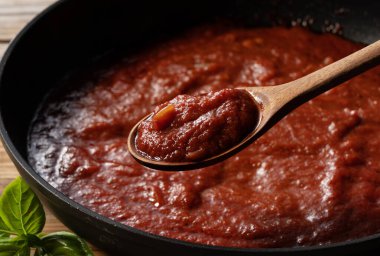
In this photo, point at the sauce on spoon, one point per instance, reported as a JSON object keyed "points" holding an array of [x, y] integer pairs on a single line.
{"points": [[192, 128]]}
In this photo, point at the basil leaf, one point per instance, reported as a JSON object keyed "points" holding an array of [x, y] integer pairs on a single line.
{"points": [[20, 209], [63, 244], [4, 230], [14, 247], [3, 235]]}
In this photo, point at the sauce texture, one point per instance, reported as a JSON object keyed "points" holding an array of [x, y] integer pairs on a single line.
{"points": [[314, 178], [192, 128]]}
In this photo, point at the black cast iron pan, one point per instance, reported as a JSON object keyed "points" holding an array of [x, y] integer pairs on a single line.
{"points": [[71, 33]]}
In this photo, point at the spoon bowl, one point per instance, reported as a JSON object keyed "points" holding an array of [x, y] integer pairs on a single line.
{"points": [[275, 102]]}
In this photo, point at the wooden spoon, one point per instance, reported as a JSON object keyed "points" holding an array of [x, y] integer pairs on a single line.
{"points": [[275, 102]]}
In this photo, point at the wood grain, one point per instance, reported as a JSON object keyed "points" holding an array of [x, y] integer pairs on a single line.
{"points": [[14, 14]]}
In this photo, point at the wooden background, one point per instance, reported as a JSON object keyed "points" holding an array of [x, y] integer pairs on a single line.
{"points": [[14, 14]]}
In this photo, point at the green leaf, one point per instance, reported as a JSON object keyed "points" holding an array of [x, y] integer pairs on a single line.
{"points": [[14, 247], [34, 240], [20, 209], [4, 230], [63, 244], [3, 235]]}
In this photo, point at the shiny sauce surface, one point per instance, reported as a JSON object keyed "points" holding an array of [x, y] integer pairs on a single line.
{"points": [[314, 178]]}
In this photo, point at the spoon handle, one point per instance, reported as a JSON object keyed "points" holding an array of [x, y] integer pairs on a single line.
{"points": [[309, 86]]}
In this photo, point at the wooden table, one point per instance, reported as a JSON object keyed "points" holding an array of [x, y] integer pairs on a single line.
{"points": [[14, 14]]}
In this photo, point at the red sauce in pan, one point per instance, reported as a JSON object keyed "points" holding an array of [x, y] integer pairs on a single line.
{"points": [[191, 128], [314, 178]]}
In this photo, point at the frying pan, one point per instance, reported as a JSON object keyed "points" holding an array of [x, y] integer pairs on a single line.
{"points": [[71, 34]]}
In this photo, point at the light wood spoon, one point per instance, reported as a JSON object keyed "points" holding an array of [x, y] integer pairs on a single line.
{"points": [[275, 102]]}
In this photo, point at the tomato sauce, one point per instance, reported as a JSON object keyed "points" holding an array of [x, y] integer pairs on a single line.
{"points": [[191, 128], [314, 178]]}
